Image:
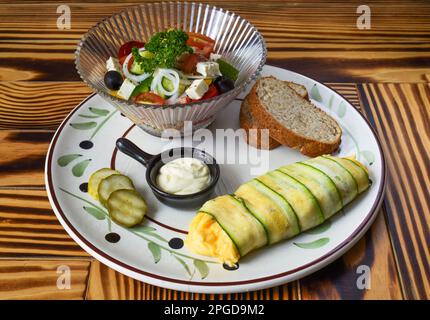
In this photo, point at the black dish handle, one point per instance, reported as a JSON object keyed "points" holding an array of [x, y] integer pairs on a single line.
{"points": [[129, 148]]}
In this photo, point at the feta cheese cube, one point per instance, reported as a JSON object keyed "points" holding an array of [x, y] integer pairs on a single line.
{"points": [[126, 89], [209, 69], [214, 56], [197, 89], [112, 64]]}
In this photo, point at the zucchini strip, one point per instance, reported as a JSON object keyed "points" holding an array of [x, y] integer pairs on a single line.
{"points": [[275, 206]]}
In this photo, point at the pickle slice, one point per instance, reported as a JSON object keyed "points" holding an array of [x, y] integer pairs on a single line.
{"points": [[112, 183], [126, 207], [95, 178]]}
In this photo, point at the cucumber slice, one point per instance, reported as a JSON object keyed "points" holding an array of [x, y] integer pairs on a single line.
{"points": [[300, 198], [144, 86], [227, 70], [271, 209], [319, 184], [246, 232], [112, 183], [147, 54], [341, 177], [360, 175], [136, 68], [181, 89], [126, 207], [167, 84], [95, 178]]}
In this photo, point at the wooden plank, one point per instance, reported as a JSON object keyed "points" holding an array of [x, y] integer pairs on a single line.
{"points": [[107, 284], [299, 37], [38, 105], [339, 279], [401, 114], [37, 279], [28, 227], [23, 158]]}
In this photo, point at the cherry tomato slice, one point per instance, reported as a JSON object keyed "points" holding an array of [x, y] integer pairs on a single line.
{"points": [[212, 92], [189, 62], [199, 40], [206, 51], [203, 44], [149, 97], [125, 49]]}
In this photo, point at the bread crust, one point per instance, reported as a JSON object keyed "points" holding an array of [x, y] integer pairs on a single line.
{"points": [[247, 124], [285, 136]]}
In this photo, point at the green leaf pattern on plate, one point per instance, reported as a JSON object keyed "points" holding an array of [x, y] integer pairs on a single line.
{"points": [[84, 125], [144, 229], [202, 267], [99, 112], [315, 94], [330, 102], [149, 231], [66, 159], [95, 212], [155, 251], [341, 109], [96, 113], [313, 244], [79, 168], [88, 116]]}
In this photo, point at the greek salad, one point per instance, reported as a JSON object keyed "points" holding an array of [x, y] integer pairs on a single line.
{"points": [[173, 67]]}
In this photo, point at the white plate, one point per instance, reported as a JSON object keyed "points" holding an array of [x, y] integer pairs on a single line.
{"points": [[85, 142]]}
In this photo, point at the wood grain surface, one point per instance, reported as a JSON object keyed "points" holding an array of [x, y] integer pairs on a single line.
{"points": [[383, 71], [38, 279], [299, 36], [401, 114], [28, 227]]}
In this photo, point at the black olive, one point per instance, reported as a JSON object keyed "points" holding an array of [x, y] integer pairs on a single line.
{"points": [[113, 80], [224, 84]]}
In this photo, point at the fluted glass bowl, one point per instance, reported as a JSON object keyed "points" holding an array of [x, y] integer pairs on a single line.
{"points": [[237, 40]]}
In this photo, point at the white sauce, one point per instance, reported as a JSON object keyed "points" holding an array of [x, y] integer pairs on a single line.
{"points": [[183, 176]]}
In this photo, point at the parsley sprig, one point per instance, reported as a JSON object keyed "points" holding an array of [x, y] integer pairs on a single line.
{"points": [[166, 46]]}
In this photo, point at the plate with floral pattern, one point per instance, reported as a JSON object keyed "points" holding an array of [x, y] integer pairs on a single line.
{"points": [[154, 251]]}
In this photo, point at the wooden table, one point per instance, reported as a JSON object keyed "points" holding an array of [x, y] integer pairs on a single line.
{"points": [[384, 72]]}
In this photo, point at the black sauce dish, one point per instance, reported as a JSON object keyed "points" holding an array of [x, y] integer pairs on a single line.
{"points": [[153, 163]]}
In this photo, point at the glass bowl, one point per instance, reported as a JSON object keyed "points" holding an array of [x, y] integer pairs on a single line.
{"points": [[237, 40]]}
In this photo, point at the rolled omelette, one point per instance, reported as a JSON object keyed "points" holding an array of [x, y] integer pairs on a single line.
{"points": [[275, 206]]}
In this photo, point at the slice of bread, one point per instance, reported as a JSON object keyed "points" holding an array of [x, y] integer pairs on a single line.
{"points": [[300, 89], [293, 121], [254, 138]]}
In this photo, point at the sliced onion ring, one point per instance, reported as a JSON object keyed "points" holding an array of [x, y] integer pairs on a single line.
{"points": [[131, 76], [157, 82], [172, 99]]}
